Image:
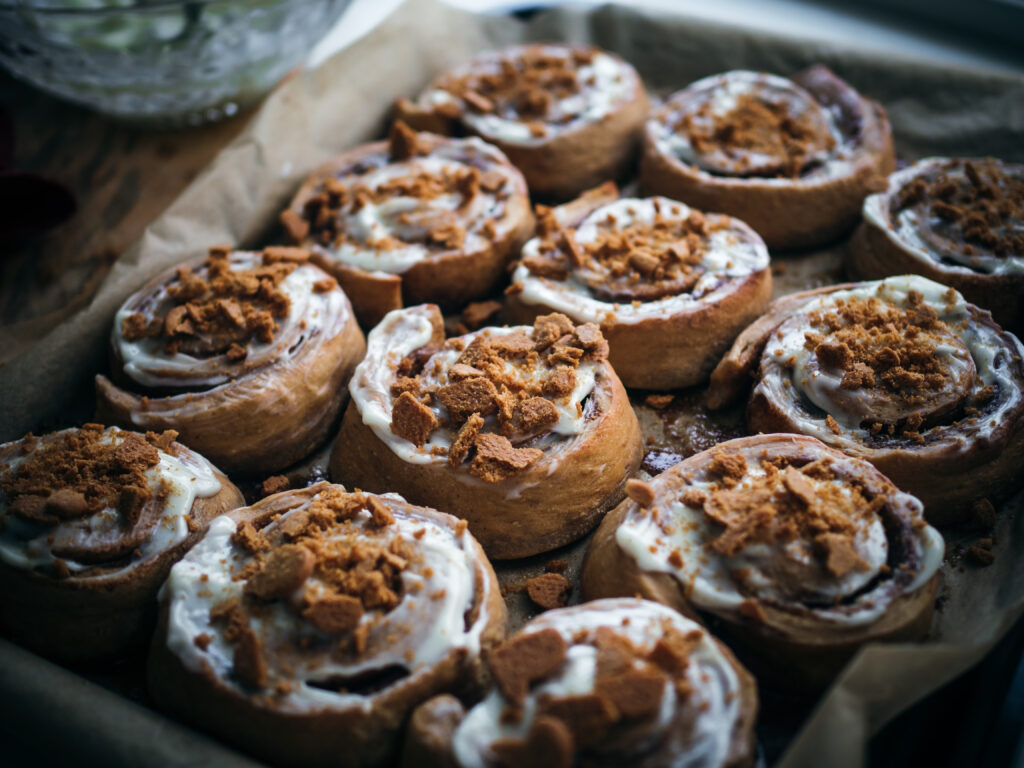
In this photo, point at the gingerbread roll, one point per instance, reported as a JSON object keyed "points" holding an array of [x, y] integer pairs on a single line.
{"points": [[526, 433], [245, 354], [612, 682], [669, 286], [799, 553], [306, 635], [794, 159], [957, 221], [568, 116], [91, 521], [902, 372], [420, 218]]}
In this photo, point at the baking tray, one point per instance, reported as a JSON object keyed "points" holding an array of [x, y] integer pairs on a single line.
{"points": [[101, 715]]}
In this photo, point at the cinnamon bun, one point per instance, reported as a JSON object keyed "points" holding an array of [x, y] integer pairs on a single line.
{"points": [[568, 116], [610, 683], [418, 218], [902, 372], [245, 354], [91, 521], [307, 634], [798, 553], [526, 433], [957, 221], [794, 159], [669, 286]]}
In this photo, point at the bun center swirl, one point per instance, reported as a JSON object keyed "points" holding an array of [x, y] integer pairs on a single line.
{"points": [[343, 595], [883, 365], [419, 198], [641, 252], [969, 213], [93, 501], [234, 313], [611, 682], [783, 522], [531, 92]]}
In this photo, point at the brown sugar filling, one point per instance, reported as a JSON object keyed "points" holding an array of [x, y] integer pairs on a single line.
{"points": [[980, 210], [346, 195], [74, 476], [628, 689], [639, 262], [892, 371], [480, 388], [526, 87], [787, 503], [222, 309], [327, 569], [758, 137]]}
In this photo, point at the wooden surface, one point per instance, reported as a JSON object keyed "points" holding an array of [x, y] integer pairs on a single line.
{"points": [[123, 176]]}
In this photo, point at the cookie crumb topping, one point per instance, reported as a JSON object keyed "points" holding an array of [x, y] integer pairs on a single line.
{"points": [[500, 393], [81, 473], [629, 686], [223, 309]]}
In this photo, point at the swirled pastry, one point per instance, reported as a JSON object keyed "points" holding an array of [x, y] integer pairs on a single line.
{"points": [[794, 159], [418, 218], [568, 116], [306, 634], [802, 553], [245, 354], [669, 286], [91, 521], [612, 682], [526, 433], [954, 220], [902, 372]]}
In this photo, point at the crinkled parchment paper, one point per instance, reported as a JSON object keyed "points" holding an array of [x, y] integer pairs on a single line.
{"points": [[934, 110]]}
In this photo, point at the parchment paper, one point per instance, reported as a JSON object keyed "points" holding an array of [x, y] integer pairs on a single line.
{"points": [[933, 109]]}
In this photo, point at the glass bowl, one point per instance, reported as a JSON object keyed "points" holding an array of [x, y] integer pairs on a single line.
{"points": [[161, 61]]}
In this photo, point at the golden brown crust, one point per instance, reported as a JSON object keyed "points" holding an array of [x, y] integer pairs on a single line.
{"points": [[555, 499], [675, 351], [801, 213], [450, 278], [86, 619], [659, 253], [553, 502], [263, 420], [354, 735], [791, 649], [558, 163]]}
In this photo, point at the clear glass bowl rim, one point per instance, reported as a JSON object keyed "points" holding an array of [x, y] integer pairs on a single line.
{"points": [[139, 6]]}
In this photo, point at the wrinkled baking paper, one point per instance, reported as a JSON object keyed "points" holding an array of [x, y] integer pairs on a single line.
{"points": [[934, 110]]}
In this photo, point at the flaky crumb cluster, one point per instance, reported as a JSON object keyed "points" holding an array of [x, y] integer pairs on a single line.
{"points": [[77, 475], [638, 261], [786, 503], [982, 209], [321, 214], [629, 685], [785, 141], [222, 308], [321, 566], [877, 345], [489, 405], [526, 87]]}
